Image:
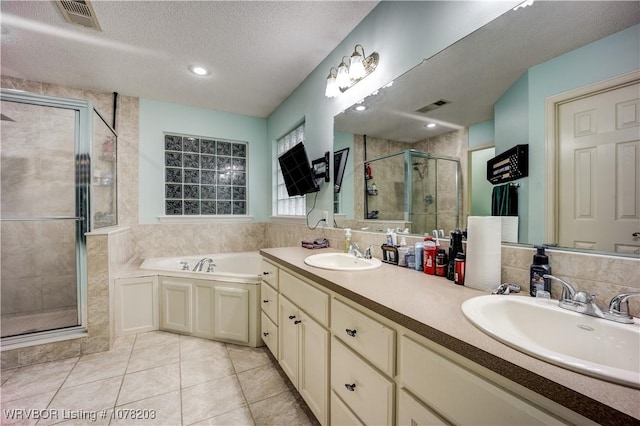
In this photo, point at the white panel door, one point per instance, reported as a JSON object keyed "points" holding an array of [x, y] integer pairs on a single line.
{"points": [[313, 380], [231, 313], [203, 309], [599, 171], [176, 306], [136, 305]]}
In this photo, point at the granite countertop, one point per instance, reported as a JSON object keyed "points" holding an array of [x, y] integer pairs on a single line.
{"points": [[430, 306]]}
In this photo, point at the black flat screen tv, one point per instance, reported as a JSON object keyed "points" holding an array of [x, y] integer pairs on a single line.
{"points": [[339, 164], [299, 177]]}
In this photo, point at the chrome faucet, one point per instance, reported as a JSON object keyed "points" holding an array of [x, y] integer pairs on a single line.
{"points": [[619, 308], [584, 303], [201, 262], [354, 249]]}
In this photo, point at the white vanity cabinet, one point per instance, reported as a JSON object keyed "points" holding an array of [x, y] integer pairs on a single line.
{"points": [[362, 365], [303, 347], [210, 309], [457, 394], [136, 306], [269, 307]]}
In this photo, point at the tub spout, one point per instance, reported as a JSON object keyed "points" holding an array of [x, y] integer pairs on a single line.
{"points": [[201, 262]]}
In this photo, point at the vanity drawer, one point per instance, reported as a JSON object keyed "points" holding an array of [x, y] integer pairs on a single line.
{"points": [[308, 298], [340, 413], [270, 273], [371, 339], [269, 333], [364, 390], [447, 387], [269, 301]]}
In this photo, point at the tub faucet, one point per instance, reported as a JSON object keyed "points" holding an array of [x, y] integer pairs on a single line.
{"points": [[201, 262]]}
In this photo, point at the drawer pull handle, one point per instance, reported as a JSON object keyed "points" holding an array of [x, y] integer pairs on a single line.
{"points": [[297, 321], [265, 273], [351, 333], [350, 387], [265, 301], [292, 316], [265, 334]]}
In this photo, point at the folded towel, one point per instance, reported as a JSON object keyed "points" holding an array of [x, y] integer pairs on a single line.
{"points": [[318, 243]]}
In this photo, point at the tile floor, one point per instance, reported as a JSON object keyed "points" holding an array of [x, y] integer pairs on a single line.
{"points": [[179, 380]]}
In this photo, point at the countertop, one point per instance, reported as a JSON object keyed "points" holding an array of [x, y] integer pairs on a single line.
{"points": [[430, 306]]}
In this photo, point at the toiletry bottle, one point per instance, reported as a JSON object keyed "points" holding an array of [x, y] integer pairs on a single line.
{"points": [[419, 252], [455, 247], [402, 252], [347, 239], [460, 263], [429, 256], [539, 268], [441, 263]]}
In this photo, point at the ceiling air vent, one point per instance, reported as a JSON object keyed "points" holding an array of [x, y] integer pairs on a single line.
{"points": [[79, 12], [427, 108]]}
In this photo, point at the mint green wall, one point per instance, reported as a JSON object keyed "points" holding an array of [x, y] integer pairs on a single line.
{"points": [[157, 117], [606, 58], [343, 140], [481, 134], [403, 33]]}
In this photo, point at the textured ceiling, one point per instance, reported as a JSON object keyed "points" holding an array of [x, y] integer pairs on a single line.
{"points": [[258, 51]]}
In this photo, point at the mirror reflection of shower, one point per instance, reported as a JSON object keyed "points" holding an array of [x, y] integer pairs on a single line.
{"points": [[422, 167]]}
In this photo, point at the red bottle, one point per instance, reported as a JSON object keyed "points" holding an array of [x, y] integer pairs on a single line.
{"points": [[429, 258]]}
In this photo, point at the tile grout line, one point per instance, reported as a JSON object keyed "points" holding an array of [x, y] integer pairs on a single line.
{"points": [[115, 403]]}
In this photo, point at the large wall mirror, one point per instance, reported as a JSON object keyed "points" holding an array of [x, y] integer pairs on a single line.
{"points": [[489, 92]]}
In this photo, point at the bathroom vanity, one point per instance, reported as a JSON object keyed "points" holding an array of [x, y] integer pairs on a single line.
{"points": [[391, 346]]}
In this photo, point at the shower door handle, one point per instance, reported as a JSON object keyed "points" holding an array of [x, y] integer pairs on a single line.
{"points": [[47, 218]]}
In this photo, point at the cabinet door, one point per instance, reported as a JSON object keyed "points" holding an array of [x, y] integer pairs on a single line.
{"points": [[363, 389], [313, 381], [288, 338], [136, 305], [231, 313], [340, 413], [269, 334], [413, 413], [203, 303], [176, 306], [269, 301]]}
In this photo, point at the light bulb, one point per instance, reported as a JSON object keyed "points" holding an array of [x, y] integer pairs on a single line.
{"points": [[343, 76], [332, 87], [356, 69]]}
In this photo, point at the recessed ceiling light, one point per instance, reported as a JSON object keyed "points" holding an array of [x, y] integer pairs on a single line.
{"points": [[431, 125], [360, 108], [198, 70]]}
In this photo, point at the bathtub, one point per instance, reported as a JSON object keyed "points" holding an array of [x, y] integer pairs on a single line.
{"points": [[244, 267]]}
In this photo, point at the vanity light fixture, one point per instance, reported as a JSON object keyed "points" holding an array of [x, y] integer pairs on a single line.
{"points": [[198, 70], [350, 71]]}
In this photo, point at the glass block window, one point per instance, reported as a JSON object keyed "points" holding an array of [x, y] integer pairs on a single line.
{"points": [[285, 205], [204, 176]]}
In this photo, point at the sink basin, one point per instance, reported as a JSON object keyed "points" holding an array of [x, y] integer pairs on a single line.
{"points": [[538, 327], [342, 262]]}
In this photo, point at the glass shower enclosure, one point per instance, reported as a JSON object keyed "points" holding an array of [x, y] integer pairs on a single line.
{"points": [[425, 196], [57, 166]]}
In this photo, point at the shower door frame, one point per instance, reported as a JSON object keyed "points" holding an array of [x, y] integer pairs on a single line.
{"points": [[409, 154], [82, 146]]}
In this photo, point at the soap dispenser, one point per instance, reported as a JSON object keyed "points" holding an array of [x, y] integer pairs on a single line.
{"points": [[539, 268], [347, 239]]}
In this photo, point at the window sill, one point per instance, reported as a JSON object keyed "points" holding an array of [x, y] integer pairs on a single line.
{"points": [[206, 219], [293, 220]]}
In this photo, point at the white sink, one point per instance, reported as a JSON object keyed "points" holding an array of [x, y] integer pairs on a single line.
{"points": [[588, 345], [342, 262]]}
